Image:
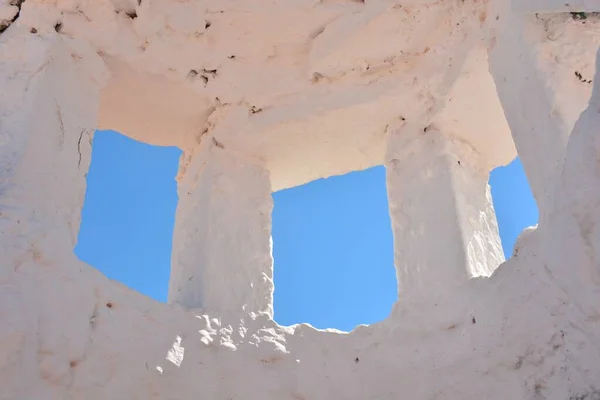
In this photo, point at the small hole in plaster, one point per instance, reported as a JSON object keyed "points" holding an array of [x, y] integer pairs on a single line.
{"points": [[317, 76], [192, 74], [356, 360], [255, 110], [218, 144], [207, 24], [473, 320], [109, 305], [131, 14], [579, 16], [58, 26], [232, 57], [519, 363], [581, 79], [33, 30], [73, 364]]}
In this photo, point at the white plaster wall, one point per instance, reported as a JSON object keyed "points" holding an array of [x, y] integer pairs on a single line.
{"points": [[49, 100], [530, 331]]}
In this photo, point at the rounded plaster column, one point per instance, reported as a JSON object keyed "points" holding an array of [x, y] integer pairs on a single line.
{"points": [[443, 221], [222, 240]]}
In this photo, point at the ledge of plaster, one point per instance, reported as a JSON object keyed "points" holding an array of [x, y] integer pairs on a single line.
{"points": [[326, 65]]}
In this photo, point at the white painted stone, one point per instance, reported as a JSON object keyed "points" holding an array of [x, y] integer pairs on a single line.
{"points": [[439, 199], [48, 100], [222, 244], [302, 90], [542, 98]]}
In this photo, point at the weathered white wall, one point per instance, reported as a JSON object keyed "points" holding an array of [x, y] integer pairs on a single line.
{"points": [[530, 331], [48, 102]]}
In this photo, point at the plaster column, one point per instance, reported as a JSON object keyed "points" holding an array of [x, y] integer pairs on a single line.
{"points": [[49, 90], [222, 241], [443, 220], [526, 93], [575, 224]]}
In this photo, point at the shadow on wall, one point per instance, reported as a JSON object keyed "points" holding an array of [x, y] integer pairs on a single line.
{"points": [[333, 245]]}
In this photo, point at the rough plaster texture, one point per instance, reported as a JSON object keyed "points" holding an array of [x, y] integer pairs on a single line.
{"points": [[214, 212], [262, 96]]}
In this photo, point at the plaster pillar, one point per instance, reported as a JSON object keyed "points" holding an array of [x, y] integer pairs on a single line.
{"points": [[222, 258], [575, 223], [525, 91], [49, 91], [443, 220]]}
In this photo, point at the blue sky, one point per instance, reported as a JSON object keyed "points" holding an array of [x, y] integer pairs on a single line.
{"points": [[336, 229]]}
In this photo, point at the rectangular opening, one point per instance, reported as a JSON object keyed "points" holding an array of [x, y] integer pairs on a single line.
{"points": [[514, 204], [129, 212], [333, 252]]}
